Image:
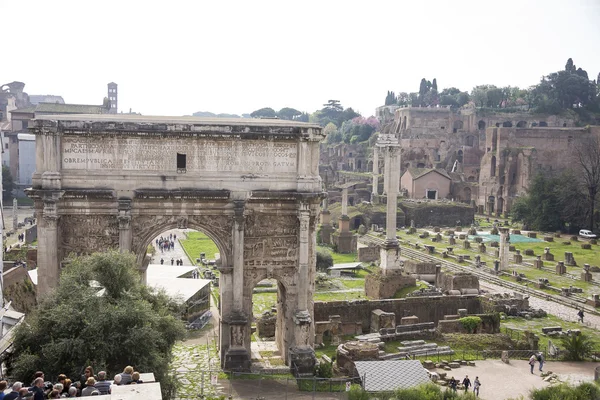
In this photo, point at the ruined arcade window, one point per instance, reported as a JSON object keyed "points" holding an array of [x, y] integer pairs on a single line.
{"points": [[181, 163]]}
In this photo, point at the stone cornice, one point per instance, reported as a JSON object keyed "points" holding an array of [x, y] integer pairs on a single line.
{"points": [[182, 194]]}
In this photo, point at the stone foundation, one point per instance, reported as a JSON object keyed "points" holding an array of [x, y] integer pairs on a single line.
{"points": [[385, 284]]}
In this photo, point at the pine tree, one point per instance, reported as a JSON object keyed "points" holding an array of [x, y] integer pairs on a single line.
{"points": [[434, 85], [570, 67]]}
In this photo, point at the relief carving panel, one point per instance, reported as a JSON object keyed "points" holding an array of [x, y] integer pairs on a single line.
{"points": [[271, 240], [85, 234]]}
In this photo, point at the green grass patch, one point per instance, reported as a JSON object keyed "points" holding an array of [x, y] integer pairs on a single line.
{"points": [[262, 302], [557, 248], [535, 325], [353, 283], [405, 291], [196, 243], [339, 296]]}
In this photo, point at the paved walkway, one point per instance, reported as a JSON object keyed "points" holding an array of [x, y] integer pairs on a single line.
{"points": [[175, 254], [501, 381], [558, 310]]}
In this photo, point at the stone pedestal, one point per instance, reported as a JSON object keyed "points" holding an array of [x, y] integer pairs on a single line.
{"points": [[382, 320], [345, 237], [518, 258], [302, 361], [390, 256], [466, 244], [560, 268], [237, 357], [547, 256], [452, 241], [482, 248], [586, 275], [569, 259], [538, 263], [385, 284]]}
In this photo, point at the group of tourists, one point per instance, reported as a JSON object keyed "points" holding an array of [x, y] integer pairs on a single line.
{"points": [[21, 237], [453, 384], [173, 261], [87, 385], [166, 243], [539, 357]]}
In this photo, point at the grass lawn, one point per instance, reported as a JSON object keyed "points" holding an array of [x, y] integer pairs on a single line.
{"points": [[198, 242], [405, 291], [339, 296], [353, 283], [558, 249], [338, 258], [535, 325], [262, 302]]}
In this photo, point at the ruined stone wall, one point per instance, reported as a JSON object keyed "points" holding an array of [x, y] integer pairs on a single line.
{"points": [[437, 213], [428, 309]]}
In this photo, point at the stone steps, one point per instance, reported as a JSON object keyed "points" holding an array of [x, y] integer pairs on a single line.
{"points": [[418, 347]]}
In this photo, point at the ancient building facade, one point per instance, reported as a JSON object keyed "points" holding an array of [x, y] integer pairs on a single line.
{"points": [[113, 181], [513, 156]]}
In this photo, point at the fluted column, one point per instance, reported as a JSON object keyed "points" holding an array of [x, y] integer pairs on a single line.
{"points": [[238, 256], [303, 258], [375, 190]]}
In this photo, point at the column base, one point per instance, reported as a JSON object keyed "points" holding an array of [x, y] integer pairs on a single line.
{"points": [[302, 361], [237, 359]]}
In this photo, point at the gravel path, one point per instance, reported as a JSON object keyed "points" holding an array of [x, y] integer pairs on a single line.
{"points": [[558, 310]]}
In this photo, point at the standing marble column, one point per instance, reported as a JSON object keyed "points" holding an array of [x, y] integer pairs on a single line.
{"points": [[390, 251], [303, 258], [15, 215], [124, 218], [375, 190], [345, 201], [504, 248], [238, 256], [48, 262]]}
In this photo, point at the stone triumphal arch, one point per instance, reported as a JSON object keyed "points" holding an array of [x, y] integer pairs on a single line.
{"points": [[252, 185]]}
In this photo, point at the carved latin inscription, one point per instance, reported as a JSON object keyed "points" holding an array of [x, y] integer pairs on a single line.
{"points": [[201, 155]]}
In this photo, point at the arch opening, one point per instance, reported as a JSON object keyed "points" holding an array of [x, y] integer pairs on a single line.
{"points": [[481, 125]]}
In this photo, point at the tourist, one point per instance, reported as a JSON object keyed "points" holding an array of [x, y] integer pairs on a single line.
{"points": [[16, 387], [172, 260], [580, 315], [54, 394], [532, 362], [72, 392], [476, 385], [135, 378], [162, 261], [3, 386], [90, 388], [59, 387], [102, 385], [116, 382], [87, 374], [453, 383], [38, 374], [126, 375], [466, 383], [24, 393], [540, 358], [38, 388]]}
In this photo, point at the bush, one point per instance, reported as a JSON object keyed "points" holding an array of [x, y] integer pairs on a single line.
{"points": [[357, 393], [470, 323], [324, 260], [577, 347], [324, 370], [584, 391]]}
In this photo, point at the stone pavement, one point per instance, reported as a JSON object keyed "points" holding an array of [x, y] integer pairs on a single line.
{"points": [[176, 253], [500, 381]]}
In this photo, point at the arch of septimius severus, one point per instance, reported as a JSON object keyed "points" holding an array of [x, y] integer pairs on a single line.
{"points": [[251, 185]]}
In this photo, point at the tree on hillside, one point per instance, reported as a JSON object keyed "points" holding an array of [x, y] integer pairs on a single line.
{"points": [[332, 133], [99, 315], [266, 112], [8, 185], [391, 98], [587, 156], [289, 113], [434, 85], [333, 105]]}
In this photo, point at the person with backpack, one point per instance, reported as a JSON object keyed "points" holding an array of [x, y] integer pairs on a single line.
{"points": [[532, 360], [580, 315], [476, 385], [540, 359]]}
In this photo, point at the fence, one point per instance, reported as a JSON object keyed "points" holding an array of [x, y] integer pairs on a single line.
{"points": [[262, 385]]}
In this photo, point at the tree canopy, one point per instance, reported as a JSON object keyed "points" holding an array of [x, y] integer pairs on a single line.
{"points": [[99, 315]]}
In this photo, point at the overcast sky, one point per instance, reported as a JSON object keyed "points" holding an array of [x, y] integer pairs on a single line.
{"points": [[178, 57]]}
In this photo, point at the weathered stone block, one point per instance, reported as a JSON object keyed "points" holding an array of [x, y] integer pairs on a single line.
{"points": [[531, 234], [586, 246], [529, 252], [410, 320], [516, 232], [381, 319], [548, 239], [569, 259]]}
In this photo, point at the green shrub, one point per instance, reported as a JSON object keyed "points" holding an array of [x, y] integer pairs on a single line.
{"points": [[324, 370], [584, 391], [577, 347], [357, 393], [470, 323], [324, 260]]}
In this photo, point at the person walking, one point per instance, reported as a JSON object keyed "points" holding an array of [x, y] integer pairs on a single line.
{"points": [[476, 385], [532, 362], [580, 315], [466, 383], [453, 383], [540, 358]]}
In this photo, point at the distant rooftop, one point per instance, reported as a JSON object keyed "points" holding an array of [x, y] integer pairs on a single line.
{"points": [[57, 108], [386, 376], [45, 98]]}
